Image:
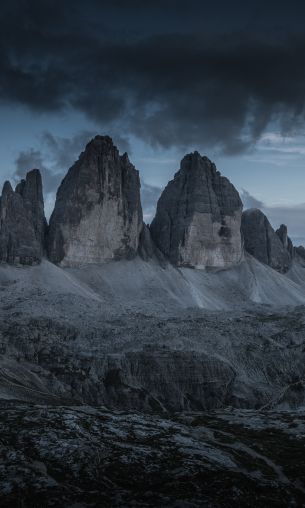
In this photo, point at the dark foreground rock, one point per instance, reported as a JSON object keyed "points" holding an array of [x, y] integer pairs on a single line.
{"points": [[197, 222], [22, 221], [82, 456]]}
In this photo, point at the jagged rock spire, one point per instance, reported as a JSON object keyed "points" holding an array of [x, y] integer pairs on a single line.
{"points": [[97, 214], [282, 233], [22, 221], [261, 241]]}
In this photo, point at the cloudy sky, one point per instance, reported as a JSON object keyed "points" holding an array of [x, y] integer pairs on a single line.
{"points": [[162, 77]]}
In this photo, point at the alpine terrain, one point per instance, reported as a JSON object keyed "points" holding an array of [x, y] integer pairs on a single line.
{"points": [[148, 365]]}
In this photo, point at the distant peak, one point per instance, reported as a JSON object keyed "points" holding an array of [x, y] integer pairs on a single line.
{"points": [[99, 141], [7, 188], [195, 161], [194, 155], [101, 145], [282, 228], [23, 224], [125, 157], [33, 174], [253, 210]]}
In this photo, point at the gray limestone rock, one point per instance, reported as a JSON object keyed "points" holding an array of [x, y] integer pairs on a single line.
{"points": [[282, 233], [85, 457], [198, 216], [262, 242], [97, 214], [22, 221]]}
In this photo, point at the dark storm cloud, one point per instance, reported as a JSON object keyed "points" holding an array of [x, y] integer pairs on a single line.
{"points": [[30, 159], [63, 152], [26, 160], [178, 87], [56, 156], [54, 159]]}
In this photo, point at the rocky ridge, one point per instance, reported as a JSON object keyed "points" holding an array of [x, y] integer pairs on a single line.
{"points": [[273, 248], [98, 217], [22, 221]]}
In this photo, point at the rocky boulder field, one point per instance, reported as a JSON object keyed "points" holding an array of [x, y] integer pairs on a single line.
{"points": [[104, 403], [80, 456]]}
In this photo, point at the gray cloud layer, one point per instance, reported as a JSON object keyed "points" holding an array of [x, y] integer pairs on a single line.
{"points": [[168, 86], [55, 157]]}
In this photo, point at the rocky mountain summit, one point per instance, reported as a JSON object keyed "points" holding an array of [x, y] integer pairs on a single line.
{"points": [[22, 221], [98, 217], [198, 217], [273, 248], [282, 233], [300, 252], [97, 214]]}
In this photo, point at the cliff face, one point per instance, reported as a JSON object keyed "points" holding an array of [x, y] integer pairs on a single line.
{"points": [[97, 214], [198, 217], [98, 217], [282, 233], [22, 221], [261, 241]]}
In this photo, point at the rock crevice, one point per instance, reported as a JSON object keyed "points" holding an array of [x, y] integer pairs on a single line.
{"points": [[22, 221]]}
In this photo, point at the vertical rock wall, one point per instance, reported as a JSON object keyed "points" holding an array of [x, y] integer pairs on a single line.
{"points": [[97, 214], [22, 221], [198, 217]]}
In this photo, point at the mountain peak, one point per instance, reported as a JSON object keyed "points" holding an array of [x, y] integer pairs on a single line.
{"points": [[261, 241], [7, 188], [23, 224], [197, 222], [97, 214]]}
